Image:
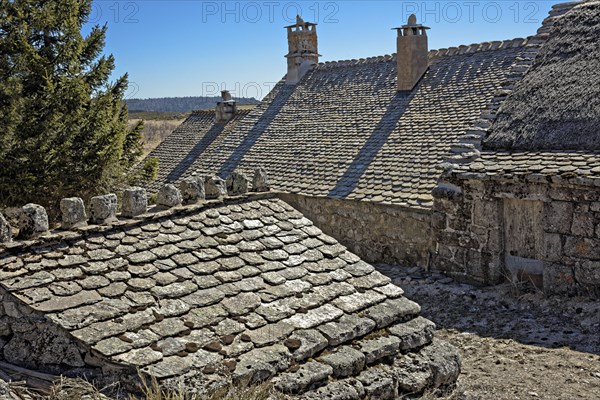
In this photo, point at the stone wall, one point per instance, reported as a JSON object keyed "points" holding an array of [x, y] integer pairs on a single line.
{"points": [[378, 233], [545, 232], [32, 340]]}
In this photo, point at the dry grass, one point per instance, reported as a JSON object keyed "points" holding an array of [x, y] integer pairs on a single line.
{"points": [[151, 390], [70, 389], [155, 131]]}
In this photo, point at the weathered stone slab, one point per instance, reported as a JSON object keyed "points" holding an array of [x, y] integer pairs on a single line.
{"points": [[444, 361], [358, 301], [311, 374], [168, 196], [275, 311], [192, 189], [378, 348], [369, 281], [311, 343], [288, 288], [171, 366], [25, 282], [260, 180], [391, 311], [378, 383], [260, 364], [315, 317], [214, 187], [360, 268], [33, 221], [346, 329], [73, 213], [271, 333], [175, 290], [103, 209], [140, 357], [169, 327], [390, 290], [206, 316], [237, 184], [345, 362], [241, 304], [5, 230], [113, 346], [346, 389], [414, 333], [135, 202], [63, 303]]}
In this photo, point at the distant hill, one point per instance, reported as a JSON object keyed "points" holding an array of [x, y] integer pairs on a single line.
{"points": [[179, 104]]}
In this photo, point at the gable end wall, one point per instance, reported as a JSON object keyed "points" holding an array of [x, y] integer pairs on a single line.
{"points": [[469, 233]]}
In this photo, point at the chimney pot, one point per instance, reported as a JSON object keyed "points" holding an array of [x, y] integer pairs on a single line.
{"points": [[412, 53]]}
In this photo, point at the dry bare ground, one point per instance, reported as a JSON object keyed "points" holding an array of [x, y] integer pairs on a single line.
{"points": [[515, 345]]}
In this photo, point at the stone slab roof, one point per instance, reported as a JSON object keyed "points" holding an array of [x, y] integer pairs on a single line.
{"points": [[178, 151], [345, 132], [243, 290], [557, 105], [575, 167]]}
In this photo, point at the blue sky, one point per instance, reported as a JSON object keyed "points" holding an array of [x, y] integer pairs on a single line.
{"points": [[196, 48]]}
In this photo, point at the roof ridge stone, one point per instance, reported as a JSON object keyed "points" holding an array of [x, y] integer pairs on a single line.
{"points": [[447, 51], [195, 194], [153, 214]]}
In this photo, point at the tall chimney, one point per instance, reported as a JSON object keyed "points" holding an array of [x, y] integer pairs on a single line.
{"points": [[226, 108], [303, 53], [412, 54]]}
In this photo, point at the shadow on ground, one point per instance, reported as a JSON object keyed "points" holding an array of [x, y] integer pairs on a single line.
{"points": [[501, 312]]}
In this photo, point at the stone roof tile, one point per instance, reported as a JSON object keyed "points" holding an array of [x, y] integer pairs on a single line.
{"points": [[205, 305], [345, 132]]}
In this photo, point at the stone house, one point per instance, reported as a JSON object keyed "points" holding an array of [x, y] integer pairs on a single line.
{"points": [[235, 290], [366, 149], [528, 206]]}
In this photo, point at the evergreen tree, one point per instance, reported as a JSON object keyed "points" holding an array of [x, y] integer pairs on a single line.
{"points": [[63, 125]]}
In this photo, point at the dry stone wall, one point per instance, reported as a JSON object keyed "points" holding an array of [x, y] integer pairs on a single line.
{"points": [[547, 232], [378, 233], [30, 338]]}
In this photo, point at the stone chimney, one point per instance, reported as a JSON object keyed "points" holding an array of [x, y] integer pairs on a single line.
{"points": [[303, 51], [225, 109], [412, 53]]}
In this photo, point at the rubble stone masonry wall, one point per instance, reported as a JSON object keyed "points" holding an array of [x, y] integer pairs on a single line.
{"points": [[548, 232], [30, 339], [378, 233]]}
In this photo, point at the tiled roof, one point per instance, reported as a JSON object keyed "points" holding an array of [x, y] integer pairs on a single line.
{"points": [[250, 286], [576, 167], [178, 151], [344, 131]]}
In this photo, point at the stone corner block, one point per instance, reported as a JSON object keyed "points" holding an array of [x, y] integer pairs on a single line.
{"points": [[73, 212], [168, 196], [33, 220], [135, 201], [214, 187], [5, 230], [260, 181], [192, 189], [237, 184], [103, 209]]}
